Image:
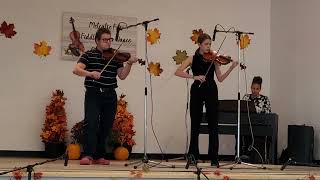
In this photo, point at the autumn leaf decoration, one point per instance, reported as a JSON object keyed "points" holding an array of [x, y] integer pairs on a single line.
{"points": [[122, 129], [153, 35], [55, 125], [7, 30], [17, 174], [244, 41], [195, 35], [155, 69], [42, 49], [180, 56]]}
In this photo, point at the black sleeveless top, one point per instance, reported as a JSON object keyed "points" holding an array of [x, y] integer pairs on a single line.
{"points": [[200, 67]]}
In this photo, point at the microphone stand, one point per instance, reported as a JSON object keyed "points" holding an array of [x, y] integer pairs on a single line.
{"points": [[238, 158], [30, 167], [192, 161], [185, 155], [291, 161], [145, 162]]}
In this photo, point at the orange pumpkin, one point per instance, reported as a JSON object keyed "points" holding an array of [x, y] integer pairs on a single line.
{"points": [[121, 153], [74, 151]]}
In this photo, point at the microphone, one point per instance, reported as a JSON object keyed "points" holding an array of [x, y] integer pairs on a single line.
{"points": [[214, 33], [117, 33], [66, 158]]}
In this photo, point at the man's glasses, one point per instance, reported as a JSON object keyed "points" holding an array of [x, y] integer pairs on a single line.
{"points": [[107, 39]]}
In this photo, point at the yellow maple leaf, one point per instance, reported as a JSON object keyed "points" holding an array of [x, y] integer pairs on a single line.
{"points": [[154, 68], [42, 49], [153, 35], [195, 35], [180, 56], [244, 41]]}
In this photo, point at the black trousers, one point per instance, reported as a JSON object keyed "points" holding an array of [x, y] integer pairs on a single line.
{"points": [[206, 94], [100, 108]]}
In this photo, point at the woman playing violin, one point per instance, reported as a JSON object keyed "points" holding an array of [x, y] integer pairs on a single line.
{"points": [[100, 97], [204, 91]]}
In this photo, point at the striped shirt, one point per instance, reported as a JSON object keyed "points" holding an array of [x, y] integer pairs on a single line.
{"points": [[94, 61]]}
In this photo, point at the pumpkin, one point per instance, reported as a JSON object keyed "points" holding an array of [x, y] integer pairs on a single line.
{"points": [[121, 153], [74, 151]]}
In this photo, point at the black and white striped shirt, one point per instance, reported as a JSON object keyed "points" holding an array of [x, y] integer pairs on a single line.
{"points": [[94, 61]]}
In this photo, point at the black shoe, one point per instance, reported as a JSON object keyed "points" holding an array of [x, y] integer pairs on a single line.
{"points": [[215, 163], [245, 158]]}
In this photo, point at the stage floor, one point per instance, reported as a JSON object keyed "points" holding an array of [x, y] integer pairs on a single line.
{"points": [[117, 170]]}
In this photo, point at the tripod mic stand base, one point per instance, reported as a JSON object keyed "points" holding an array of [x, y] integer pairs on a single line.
{"points": [[184, 157], [239, 161], [146, 164], [290, 161]]}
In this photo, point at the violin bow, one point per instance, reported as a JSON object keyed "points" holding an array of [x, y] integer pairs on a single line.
{"points": [[217, 54], [115, 53]]}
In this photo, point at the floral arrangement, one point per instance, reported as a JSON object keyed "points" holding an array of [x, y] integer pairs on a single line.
{"points": [[77, 133], [55, 125], [122, 130]]}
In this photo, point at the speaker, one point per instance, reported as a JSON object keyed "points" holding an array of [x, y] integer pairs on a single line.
{"points": [[300, 143]]}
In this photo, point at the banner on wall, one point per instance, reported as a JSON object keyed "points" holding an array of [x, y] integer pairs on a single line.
{"points": [[78, 32]]}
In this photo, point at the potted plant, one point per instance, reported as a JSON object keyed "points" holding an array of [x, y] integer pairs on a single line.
{"points": [[55, 126], [122, 131]]}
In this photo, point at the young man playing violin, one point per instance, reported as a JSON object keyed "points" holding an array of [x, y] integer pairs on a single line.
{"points": [[100, 103], [204, 91]]}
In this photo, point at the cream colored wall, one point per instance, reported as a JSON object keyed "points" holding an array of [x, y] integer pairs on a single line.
{"points": [[307, 68], [294, 66], [27, 81]]}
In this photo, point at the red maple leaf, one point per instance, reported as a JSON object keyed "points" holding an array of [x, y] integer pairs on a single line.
{"points": [[217, 173], [17, 174], [225, 177], [312, 177], [7, 30], [37, 175]]}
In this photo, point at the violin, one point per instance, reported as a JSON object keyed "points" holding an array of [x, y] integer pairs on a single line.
{"points": [[121, 57], [220, 59], [76, 46]]}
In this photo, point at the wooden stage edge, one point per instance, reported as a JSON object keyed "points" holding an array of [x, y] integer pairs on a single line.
{"points": [[118, 170]]}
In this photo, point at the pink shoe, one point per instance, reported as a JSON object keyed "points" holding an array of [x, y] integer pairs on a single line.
{"points": [[87, 160], [101, 161]]}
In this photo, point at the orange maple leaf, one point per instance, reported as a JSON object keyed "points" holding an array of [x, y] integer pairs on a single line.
{"points": [[153, 35], [244, 41], [136, 174], [42, 49], [195, 35], [154, 68]]}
